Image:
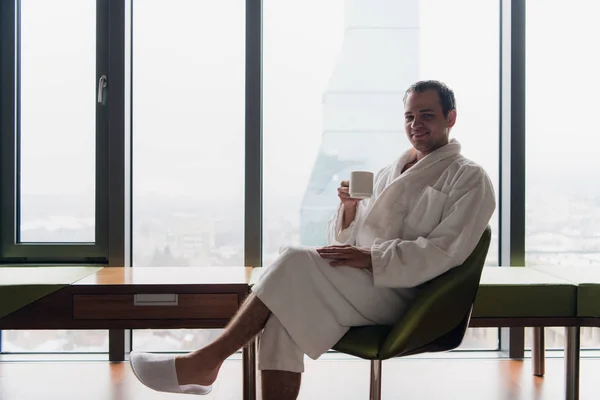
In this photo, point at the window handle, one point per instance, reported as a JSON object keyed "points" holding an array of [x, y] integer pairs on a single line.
{"points": [[102, 84]]}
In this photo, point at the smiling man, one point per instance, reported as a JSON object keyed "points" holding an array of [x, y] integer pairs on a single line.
{"points": [[428, 210]]}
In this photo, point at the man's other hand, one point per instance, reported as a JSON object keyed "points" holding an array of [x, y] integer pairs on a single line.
{"points": [[347, 256]]}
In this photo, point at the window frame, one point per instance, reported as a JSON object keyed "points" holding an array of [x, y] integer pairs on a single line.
{"points": [[511, 250], [12, 250]]}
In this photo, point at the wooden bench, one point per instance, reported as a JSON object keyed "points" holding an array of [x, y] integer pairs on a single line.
{"points": [[587, 280], [527, 297], [567, 296]]}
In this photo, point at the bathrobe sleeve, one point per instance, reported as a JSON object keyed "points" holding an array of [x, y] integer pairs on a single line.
{"points": [[335, 234], [408, 263]]}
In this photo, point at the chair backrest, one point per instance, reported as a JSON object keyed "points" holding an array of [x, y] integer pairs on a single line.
{"points": [[439, 315]]}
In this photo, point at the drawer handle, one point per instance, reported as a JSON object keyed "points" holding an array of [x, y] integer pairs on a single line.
{"points": [[162, 299]]}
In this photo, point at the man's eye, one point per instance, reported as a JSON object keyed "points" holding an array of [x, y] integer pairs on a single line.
{"points": [[428, 115], [409, 118]]}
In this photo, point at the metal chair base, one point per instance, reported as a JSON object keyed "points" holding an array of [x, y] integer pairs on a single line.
{"points": [[375, 389], [249, 370]]}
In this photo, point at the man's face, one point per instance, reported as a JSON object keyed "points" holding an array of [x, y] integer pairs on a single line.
{"points": [[424, 122]]}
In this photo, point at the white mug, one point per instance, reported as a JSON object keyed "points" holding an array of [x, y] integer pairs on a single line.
{"points": [[361, 184]]}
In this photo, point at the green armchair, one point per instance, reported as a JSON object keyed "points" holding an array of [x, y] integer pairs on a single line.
{"points": [[436, 320]]}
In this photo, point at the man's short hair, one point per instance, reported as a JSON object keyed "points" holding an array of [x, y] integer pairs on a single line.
{"points": [[445, 94]]}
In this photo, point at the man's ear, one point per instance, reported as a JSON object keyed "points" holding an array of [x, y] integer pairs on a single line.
{"points": [[451, 118]]}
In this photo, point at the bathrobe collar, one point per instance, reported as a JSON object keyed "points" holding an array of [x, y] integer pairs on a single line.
{"points": [[453, 148]]}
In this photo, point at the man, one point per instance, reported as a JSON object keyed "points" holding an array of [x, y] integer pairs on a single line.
{"points": [[426, 215]]}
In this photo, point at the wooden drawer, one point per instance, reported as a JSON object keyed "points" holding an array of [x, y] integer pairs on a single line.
{"points": [[184, 306]]}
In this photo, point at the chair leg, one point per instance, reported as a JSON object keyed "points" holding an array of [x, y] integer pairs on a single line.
{"points": [[375, 380], [249, 370], [539, 350], [572, 347]]}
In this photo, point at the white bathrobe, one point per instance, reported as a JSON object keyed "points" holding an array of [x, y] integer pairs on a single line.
{"points": [[418, 224]]}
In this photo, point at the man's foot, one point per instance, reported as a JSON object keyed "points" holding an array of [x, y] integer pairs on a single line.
{"points": [[193, 370], [158, 372]]}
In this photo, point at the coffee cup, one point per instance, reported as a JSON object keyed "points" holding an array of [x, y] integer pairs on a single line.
{"points": [[361, 184]]}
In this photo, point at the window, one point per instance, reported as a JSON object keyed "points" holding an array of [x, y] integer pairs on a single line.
{"points": [[188, 142], [563, 224], [302, 157], [333, 101], [468, 63], [52, 127], [53, 196], [56, 198]]}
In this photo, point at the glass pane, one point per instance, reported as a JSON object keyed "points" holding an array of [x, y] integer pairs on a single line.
{"points": [[563, 223], [333, 101], [55, 341], [58, 150], [57, 121], [476, 87], [188, 142]]}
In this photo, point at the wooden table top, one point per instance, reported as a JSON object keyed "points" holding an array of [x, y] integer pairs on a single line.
{"points": [[168, 276]]}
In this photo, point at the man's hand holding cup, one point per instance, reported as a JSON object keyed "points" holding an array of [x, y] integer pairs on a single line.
{"points": [[359, 187], [344, 195]]}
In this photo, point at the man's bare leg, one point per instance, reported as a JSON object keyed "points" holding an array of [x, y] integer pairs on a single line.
{"points": [[280, 385], [202, 366]]}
